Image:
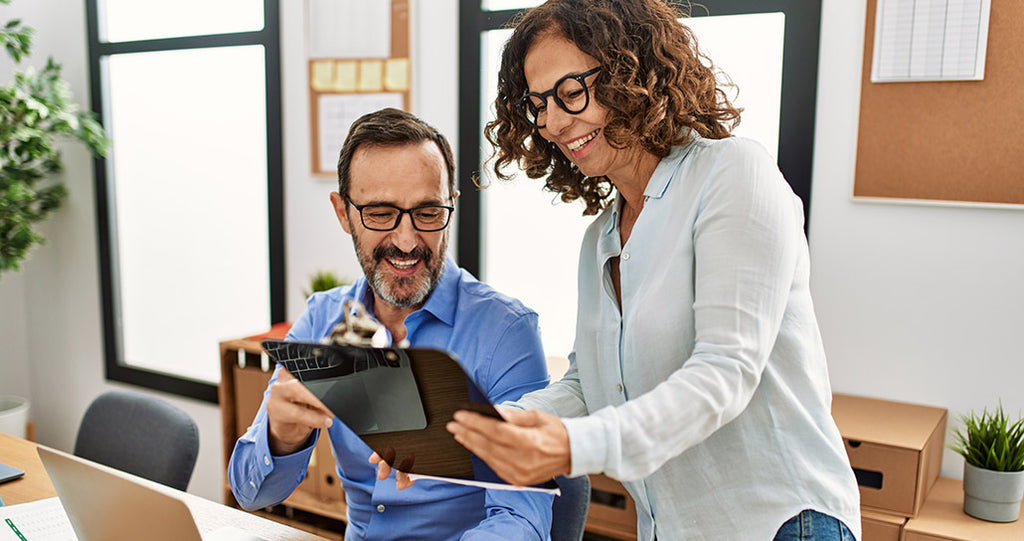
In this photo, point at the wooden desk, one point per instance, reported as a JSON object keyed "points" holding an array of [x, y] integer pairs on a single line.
{"points": [[35, 485]]}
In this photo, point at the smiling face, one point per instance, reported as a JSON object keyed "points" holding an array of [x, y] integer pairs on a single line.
{"points": [[579, 136], [403, 265]]}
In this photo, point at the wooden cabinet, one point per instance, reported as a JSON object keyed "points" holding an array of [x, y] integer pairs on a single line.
{"points": [[612, 512]]}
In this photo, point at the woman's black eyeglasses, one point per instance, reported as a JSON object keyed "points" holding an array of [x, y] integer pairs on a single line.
{"points": [[385, 217], [571, 94]]}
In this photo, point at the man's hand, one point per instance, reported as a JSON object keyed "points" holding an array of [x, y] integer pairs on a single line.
{"points": [[402, 480], [293, 413], [532, 447]]}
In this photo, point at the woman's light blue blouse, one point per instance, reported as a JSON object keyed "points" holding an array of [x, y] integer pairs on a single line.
{"points": [[708, 393]]}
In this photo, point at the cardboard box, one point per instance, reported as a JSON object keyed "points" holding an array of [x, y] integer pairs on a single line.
{"points": [[878, 526], [942, 518], [895, 449]]}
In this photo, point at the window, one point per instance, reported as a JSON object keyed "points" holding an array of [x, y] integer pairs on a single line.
{"points": [[189, 199], [535, 258]]}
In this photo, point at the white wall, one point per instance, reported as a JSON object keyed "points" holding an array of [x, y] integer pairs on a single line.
{"points": [[915, 303]]}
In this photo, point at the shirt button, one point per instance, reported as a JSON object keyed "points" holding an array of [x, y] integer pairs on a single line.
{"points": [[266, 460], [618, 387], [625, 256], [380, 508], [252, 484]]}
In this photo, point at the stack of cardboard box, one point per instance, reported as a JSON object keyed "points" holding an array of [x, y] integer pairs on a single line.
{"points": [[895, 449]]}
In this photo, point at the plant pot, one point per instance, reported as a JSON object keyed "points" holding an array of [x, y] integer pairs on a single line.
{"points": [[992, 495], [13, 415]]}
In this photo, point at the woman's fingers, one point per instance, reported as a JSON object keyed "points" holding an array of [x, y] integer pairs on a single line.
{"points": [[530, 448]]}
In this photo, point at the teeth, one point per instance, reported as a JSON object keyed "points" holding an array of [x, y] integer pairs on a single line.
{"points": [[578, 144], [403, 263]]}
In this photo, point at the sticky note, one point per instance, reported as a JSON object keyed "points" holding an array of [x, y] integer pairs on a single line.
{"points": [[370, 75], [345, 75], [322, 78], [396, 74]]}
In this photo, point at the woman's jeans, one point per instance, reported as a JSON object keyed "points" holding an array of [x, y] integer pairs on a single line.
{"points": [[814, 526]]}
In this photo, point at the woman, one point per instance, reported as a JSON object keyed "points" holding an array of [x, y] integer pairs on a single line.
{"points": [[698, 377]]}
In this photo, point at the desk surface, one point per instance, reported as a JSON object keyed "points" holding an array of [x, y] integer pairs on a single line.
{"points": [[35, 485]]}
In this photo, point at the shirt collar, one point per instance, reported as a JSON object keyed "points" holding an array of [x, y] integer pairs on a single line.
{"points": [[608, 244], [665, 172], [442, 301]]}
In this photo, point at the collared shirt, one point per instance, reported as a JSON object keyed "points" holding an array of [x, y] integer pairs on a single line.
{"points": [[708, 393], [496, 340]]}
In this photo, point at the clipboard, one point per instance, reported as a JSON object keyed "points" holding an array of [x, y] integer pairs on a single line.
{"points": [[398, 401]]}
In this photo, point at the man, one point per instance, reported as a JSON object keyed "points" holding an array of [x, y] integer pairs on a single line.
{"points": [[396, 194]]}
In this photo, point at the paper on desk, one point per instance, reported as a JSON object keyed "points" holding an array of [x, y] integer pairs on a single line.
{"points": [[217, 522], [484, 484], [41, 520]]}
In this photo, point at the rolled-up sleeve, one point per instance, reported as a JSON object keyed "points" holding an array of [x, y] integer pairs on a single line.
{"points": [[258, 478]]}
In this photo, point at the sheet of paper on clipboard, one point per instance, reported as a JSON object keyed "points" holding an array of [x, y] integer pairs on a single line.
{"points": [[398, 401]]}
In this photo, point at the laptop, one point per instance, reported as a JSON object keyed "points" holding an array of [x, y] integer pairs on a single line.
{"points": [[105, 504]]}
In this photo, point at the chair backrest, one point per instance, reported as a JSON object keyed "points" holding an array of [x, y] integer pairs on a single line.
{"points": [[141, 435], [569, 511]]}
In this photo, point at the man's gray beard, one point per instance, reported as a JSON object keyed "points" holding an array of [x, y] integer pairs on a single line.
{"points": [[376, 281], [416, 298]]}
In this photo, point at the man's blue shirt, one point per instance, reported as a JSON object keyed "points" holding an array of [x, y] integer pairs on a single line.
{"points": [[495, 339]]}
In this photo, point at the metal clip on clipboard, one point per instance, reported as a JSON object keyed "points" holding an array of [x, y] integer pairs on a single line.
{"points": [[358, 328]]}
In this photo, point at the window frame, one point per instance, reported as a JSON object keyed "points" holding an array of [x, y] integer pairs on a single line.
{"points": [[796, 111], [269, 37]]}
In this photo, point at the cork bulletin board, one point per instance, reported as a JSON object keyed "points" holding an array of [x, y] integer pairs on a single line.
{"points": [[359, 61], [949, 141]]}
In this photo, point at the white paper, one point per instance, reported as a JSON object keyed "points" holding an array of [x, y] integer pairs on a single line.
{"points": [[222, 523], [485, 484], [930, 40], [349, 29], [41, 520], [338, 112]]}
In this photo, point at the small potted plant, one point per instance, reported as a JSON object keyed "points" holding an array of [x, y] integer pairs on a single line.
{"points": [[322, 281], [993, 449]]}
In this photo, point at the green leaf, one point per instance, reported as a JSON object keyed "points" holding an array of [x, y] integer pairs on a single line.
{"points": [[36, 110], [990, 440]]}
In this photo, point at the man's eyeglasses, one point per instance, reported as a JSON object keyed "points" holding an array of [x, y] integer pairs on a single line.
{"points": [[384, 217], [570, 93]]}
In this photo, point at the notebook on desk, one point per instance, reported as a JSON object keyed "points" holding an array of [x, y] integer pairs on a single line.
{"points": [[105, 504], [398, 401]]}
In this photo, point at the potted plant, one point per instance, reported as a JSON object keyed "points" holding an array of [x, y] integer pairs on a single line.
{"points": [[35, 109], [993, 449], [322, 281]]}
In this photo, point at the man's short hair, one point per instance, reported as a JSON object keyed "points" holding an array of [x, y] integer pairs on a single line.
{"points": [[390, 127]]}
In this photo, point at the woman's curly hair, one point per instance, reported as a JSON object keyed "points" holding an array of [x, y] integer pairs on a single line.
{"points": [[655, 83]]}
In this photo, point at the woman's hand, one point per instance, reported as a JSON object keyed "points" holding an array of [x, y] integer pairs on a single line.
{"points": [[530, 448]]}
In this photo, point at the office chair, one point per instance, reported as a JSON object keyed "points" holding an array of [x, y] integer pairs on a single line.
{"points": [[569, 511], [141, 435]]}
